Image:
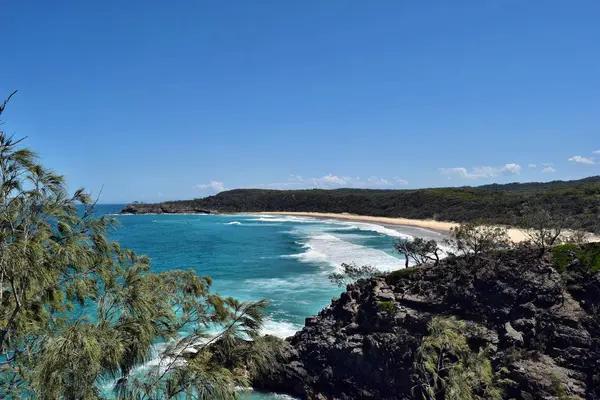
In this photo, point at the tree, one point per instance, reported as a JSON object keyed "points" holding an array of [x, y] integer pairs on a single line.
{"points": [[351, 273], [419, 250], [77, 309], [472, 240], [446, 368], [547, 224]]}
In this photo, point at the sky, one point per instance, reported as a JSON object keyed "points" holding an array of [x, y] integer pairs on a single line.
{"points": [[155, 100]]}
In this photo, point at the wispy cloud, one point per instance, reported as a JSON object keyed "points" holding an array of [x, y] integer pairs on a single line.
{"points": [[548, 167], [485, 172], [331, 181], [583, 160], [532, 166], [596, 151], [213, 185]]}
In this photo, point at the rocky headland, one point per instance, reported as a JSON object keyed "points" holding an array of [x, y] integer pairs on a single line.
{"points": [[537, 318]]}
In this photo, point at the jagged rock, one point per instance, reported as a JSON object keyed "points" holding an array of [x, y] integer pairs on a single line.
{"points": [[513, 334], [543, 334]]}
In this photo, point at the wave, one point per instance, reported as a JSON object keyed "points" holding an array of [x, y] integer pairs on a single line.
{"points": [[333, 251], [282, 219], [295, 284], [282, 329], [361, 236], [382, 229], [344, 228], [232, 223]]}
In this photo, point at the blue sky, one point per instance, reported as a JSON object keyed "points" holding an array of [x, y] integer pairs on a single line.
{"points": [[158, 100]]}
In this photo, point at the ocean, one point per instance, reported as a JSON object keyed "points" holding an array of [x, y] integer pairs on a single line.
{"points": [[284, 259]]}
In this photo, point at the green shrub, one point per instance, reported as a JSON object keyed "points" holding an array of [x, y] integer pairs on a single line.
{"points": [[387, 306], [588, 254], [564, 254], [395, 276]]}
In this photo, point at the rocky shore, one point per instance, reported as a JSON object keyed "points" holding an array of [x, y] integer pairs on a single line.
{"points": [[542, 326], [180, 207]]}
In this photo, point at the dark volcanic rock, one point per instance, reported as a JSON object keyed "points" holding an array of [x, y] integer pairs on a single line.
{"points": [[545, 331], [180, 207]]}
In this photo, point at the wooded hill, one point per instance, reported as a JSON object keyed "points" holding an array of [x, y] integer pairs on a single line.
{"points": [[499, 204]]}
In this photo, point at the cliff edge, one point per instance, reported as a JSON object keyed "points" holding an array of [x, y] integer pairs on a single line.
{"points": [[539, 327]]}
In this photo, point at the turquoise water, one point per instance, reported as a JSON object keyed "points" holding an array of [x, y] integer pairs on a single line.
{"points": [[284, 259]]}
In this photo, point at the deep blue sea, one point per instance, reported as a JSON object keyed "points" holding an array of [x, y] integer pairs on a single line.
{"points": [[282, 258]]}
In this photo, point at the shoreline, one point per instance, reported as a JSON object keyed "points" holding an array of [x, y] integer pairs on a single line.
{"points": [[515, 234]]}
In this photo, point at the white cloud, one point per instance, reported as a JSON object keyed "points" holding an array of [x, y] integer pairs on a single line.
{"points": [[549, 169], [512, 169], [583, 160], [547, 164], [331, 181], [532, 166], [483, 172], [596, 151], [213, 185], [378, 181]]}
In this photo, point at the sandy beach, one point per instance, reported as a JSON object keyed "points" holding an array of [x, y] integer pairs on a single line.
{"points": [[515, 234]]}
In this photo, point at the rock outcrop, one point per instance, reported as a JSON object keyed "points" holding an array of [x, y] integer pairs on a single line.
{"points": [[543, 327], [165, 208]]}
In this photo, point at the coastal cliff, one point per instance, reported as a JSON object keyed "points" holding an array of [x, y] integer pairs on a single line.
{"points": [[540, 326]]}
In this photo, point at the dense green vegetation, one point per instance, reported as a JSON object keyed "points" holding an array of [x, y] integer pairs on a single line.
{"points": [[499, 204]]}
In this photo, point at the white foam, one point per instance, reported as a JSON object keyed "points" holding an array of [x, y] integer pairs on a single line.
{"points": [[332, 250], [344, 228], [344, 225], [383, 230], [342, 235], [280, 329], [293, 284], [233, 223], [282, 219]]}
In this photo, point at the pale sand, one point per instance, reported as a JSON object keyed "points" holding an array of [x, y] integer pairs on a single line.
{"points": [[515, 234]]}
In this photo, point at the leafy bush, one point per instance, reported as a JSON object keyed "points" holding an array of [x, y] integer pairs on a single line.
{"points": [[395, 276]]}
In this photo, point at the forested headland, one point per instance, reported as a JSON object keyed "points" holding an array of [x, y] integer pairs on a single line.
{"points": [[577, 200]]}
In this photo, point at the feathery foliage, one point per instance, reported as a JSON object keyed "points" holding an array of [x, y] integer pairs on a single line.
{"points": [[76, 309], [445, 367]]}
